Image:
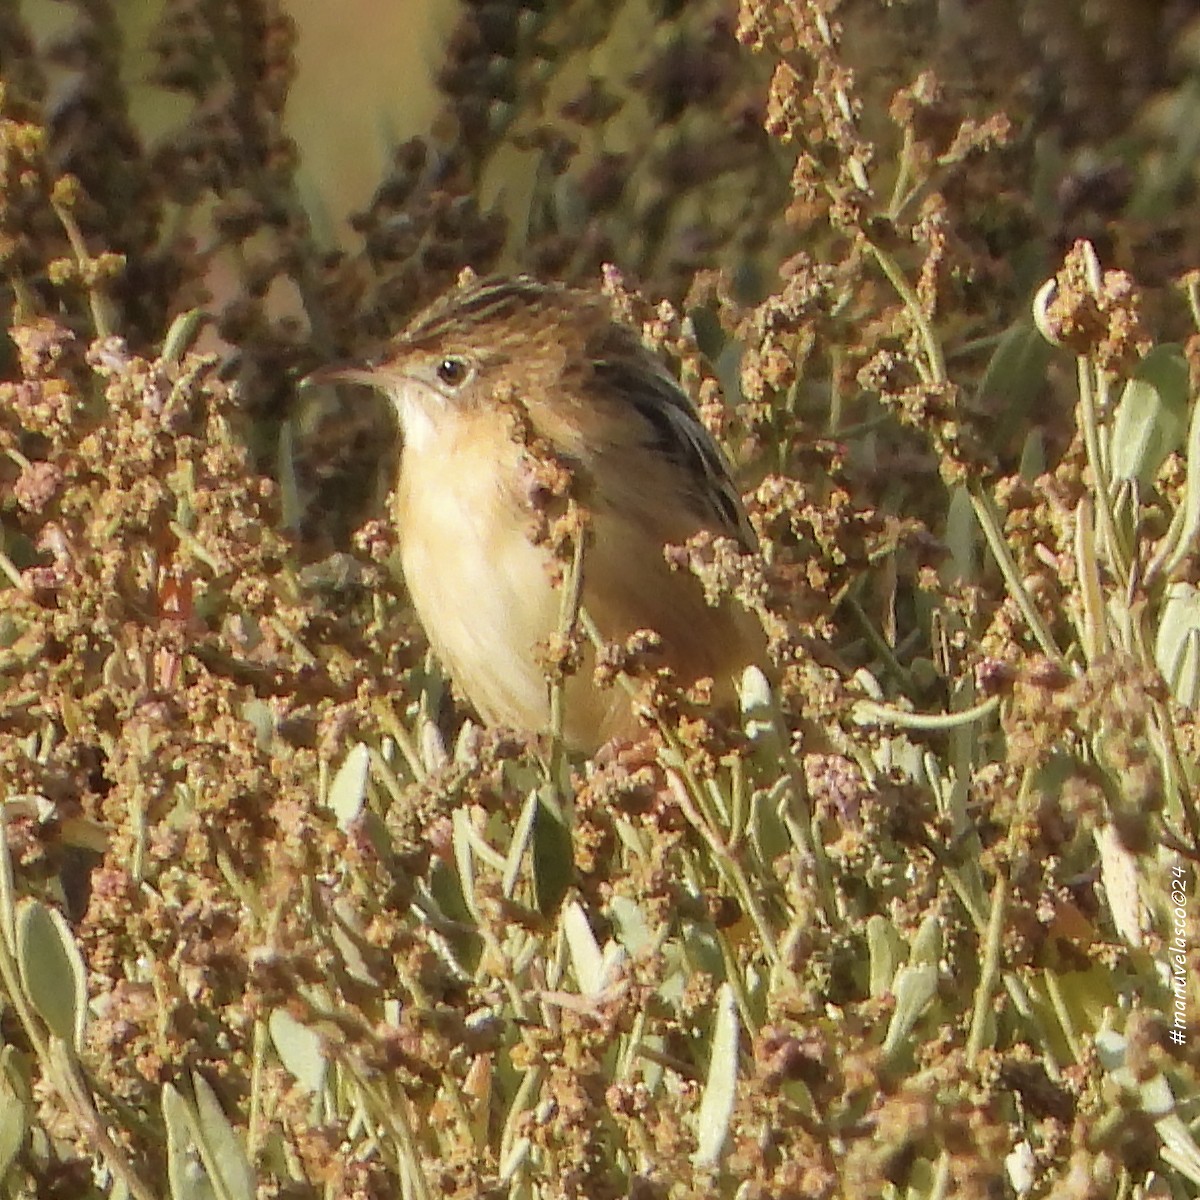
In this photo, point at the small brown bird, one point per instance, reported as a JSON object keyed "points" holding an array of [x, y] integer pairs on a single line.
{"points": [[647, 473]]}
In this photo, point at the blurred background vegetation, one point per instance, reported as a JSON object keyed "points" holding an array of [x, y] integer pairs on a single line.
{"points": [[278, 919]]}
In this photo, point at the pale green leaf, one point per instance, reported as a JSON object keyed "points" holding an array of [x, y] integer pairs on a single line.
{"points": [[720, 1086], [221, 1146], [962, 535], [515, 1160], [291, 500], [1177, 642], [1119, 874], [758, 706], [1156, 1099], [1016, 371], [914, 987], [1151, 417], [1021, 1168], [586, 958], [52, 971], [632, 929], [186, 1177], [927, 945], [1179, 1147], [348, 791], [769, 812], [466, 745], [1185, 528], [1093, 634], [464, 857], [182, 334], [259, 715], [522, 838], [13, 1120], [301, 1051], [885, 949], [346, 933], [205, 1157], [432, 747]]}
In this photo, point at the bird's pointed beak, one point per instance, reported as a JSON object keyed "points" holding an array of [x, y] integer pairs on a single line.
{"points": [[368, 372]]}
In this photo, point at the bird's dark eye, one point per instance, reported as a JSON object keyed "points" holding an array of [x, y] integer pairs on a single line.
{"points": [[453, 371]]}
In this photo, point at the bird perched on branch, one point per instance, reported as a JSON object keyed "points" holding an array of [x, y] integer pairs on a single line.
{"points": [[531, 418]]}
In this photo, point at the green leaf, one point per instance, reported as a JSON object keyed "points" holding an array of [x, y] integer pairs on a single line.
{"points": [[927, 945], [553, 853], [1185, 526], [759, 714], [348, 791], [432, 747], [205, 1156], [1093, 632], [1156, 1099], [464, 858], [1033, 456], [301, 1051], [1151, 418], [182, 334], [586, 957], [702, 951], [962, 535], [1014, 375], [345, 930], [522, 838], [185, 1176], [769, 810], [720, 1088], [291, 499], [1120, 875], [260, 715], [1177, 642], [13, 1117], [221, 1147], [52, 971], [885, 948], [632, 929], [914, 988]]}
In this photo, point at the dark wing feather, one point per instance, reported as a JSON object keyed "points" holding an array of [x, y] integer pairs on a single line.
{"points": [[678, 434]]}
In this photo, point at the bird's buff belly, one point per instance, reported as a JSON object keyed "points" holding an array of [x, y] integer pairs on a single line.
{"points": [[486, 604]]}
